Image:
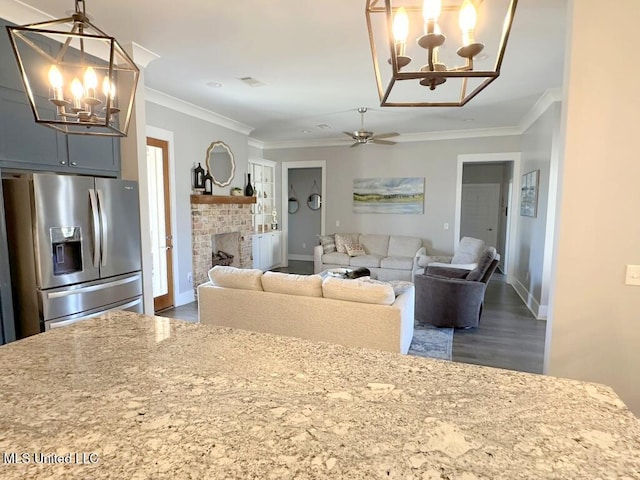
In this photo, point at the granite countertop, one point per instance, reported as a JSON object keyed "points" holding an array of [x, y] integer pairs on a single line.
{"points": [[134, 396]]}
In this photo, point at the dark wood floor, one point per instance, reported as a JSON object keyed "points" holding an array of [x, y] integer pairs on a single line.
{"points": [[508, 335]]}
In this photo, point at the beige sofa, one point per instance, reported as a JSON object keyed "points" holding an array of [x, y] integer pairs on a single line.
{"points": [[354, 313], [388, 257]]}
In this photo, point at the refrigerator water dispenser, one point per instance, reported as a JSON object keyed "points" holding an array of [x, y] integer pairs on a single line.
{"points": [[66, 246]]}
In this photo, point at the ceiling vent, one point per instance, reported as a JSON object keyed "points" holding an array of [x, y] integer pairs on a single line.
{"points": [[324, 126], [252, 82]]}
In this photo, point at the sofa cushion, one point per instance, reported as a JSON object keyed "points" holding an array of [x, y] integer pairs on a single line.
{"points": [[336, 258], [397, 263], [468, 251], [232, 277], [354, 249], [328, 243], [361, 290], [484, 262], [375, 244], [403, 246], [343, 238], [369, 261], [288, 283]]}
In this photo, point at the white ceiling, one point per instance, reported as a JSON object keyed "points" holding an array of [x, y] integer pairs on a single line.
{"points": [[315, 61]]}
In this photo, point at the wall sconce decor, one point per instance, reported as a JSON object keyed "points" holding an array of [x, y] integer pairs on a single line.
{"points": [[78, 80], [416, 65]]}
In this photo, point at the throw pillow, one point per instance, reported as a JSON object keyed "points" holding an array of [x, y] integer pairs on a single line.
{"points": [[328, 243], [400, 286], [342, 239], [354, 249]]}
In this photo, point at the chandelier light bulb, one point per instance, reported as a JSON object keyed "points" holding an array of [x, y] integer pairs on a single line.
{"points": [[467, 22], [430, 12], [401, 26], [90, 82], [108, 89], [55, 80], [78, 92]]}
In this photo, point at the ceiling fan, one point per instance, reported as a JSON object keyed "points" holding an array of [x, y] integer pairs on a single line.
{"points": [[363, 136]]}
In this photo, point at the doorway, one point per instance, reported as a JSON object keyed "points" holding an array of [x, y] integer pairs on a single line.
{"points": [[487, 186], [160, 220], [318, 166]]}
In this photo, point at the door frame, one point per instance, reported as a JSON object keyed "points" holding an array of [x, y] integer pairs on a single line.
{"points": [[166, 181], [513, 201], [167, 136], [286, 166]]}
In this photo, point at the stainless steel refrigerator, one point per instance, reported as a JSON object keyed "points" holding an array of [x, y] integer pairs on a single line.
{"points": [[74, 246]]}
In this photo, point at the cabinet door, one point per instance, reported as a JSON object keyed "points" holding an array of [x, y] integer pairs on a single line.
{"points": [[255, 251], [92, 154], [276, 249], [23, 142]]}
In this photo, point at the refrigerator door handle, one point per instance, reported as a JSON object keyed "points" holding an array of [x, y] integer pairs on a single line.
{"points": [[96, 227], [104, 228], [92, 288], [64, 323]]}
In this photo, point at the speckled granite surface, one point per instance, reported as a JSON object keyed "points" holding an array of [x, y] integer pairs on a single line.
{"points": [[129, 396]]}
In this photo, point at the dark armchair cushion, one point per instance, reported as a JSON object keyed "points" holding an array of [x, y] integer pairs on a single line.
{"points": [[484, 263], [447, 272]]}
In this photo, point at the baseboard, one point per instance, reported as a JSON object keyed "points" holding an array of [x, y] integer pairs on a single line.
{"points": [[184, 297], [296, 256], [538, 311]]}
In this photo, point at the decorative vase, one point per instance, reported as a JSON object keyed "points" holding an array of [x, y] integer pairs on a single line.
{"points": [[248, 191]]}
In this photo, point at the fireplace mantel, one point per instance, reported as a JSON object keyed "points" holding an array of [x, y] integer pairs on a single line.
{"points": [[221, 199]]}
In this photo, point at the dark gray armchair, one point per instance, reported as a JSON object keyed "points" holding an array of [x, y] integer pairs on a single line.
{"points": [[451, 297]]}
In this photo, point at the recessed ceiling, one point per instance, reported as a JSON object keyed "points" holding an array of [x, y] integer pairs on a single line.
{"points": [[313, 63]]}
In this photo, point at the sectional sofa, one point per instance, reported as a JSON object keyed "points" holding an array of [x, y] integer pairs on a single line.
{"points": [[354, 313], [388, 257]]}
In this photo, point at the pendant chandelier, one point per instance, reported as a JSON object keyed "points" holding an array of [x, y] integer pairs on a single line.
{"points": [[426, 53], [78, 79]]}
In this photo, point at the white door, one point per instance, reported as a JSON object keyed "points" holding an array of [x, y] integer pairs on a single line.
{"points": [[481, 212]]}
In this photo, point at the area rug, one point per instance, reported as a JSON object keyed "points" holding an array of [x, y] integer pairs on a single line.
{"points": [[432, 342]]}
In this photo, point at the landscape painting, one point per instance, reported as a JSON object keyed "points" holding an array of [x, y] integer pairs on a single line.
{"points": [[388, 195]]}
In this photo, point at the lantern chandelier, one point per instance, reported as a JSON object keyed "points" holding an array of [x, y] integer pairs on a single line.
{"points": [[78, 79], [419, 65]]}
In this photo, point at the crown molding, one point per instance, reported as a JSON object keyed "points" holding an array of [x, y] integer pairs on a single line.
{"points": [[547, 99], [20, 13], [256, 143], [404, 138], [159, 98], [140, 55]]}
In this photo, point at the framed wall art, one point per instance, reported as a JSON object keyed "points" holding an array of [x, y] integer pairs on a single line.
{"points": [[388, 195], [529, 194]]}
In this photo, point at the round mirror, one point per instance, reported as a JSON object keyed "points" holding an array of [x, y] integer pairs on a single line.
{"points": [[220, 163], [314, 201], [293, 205]]}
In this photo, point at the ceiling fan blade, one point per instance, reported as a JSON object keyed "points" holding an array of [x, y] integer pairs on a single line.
{"points": [[387, 135], [382, 142], [355, 144], [350, 134]]}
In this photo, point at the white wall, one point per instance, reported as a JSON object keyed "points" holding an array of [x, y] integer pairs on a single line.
{"points": [[192, 136], [434, 160], [594, 321], [537, 150]]}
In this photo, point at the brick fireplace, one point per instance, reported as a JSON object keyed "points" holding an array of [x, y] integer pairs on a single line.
{"points": [[211, 216]]}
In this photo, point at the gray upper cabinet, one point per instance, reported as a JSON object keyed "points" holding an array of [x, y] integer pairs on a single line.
{"points": [[26, 145]]}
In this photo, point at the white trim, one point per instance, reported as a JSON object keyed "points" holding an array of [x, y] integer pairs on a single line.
{"points": [[404, 138], [538, 311], [167, 136], [514, 201], [547, 99], [20, 13], [299, 256], [256, 143], [322, 164], [140, 55], [159, 98]]}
